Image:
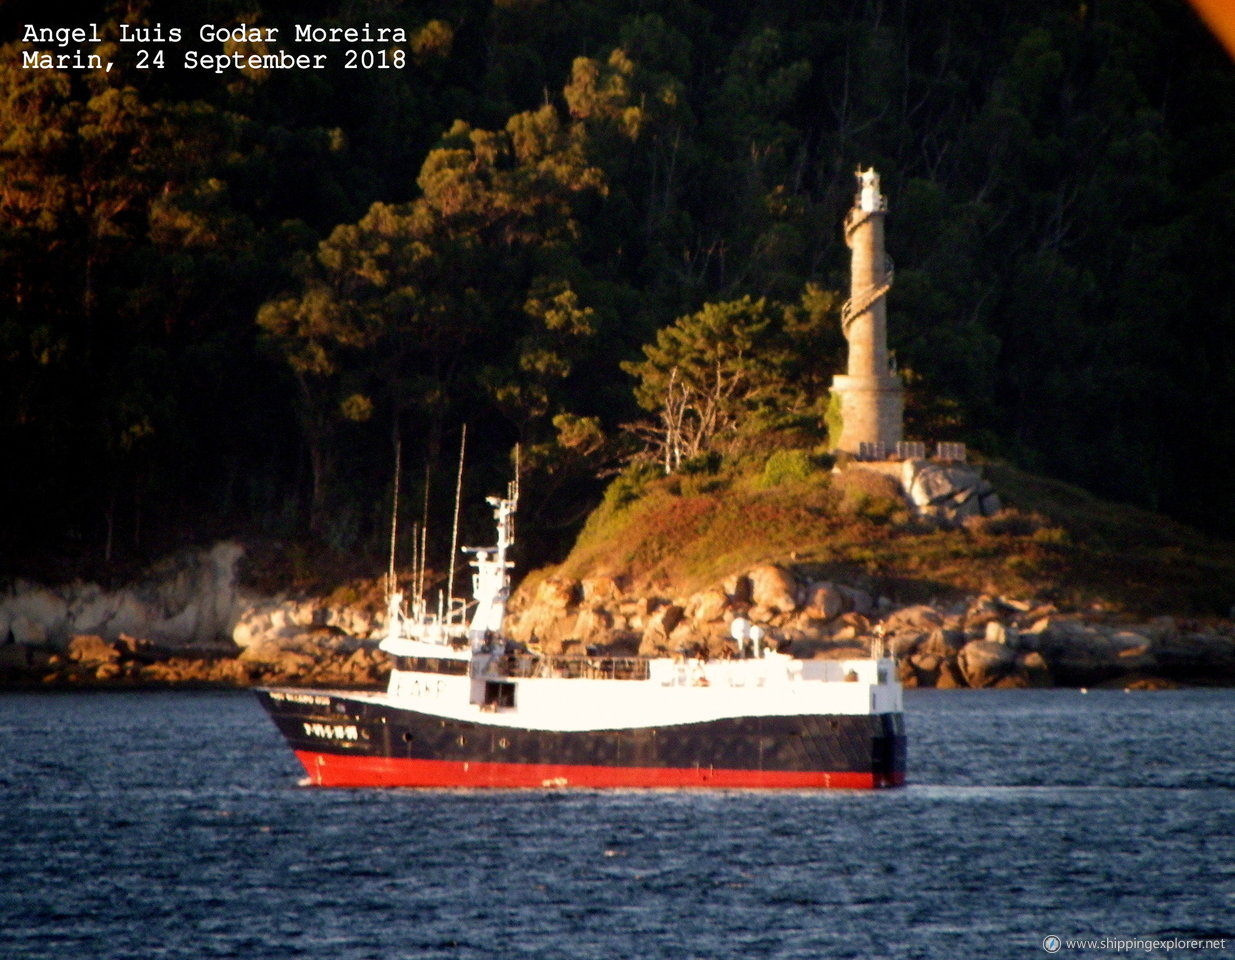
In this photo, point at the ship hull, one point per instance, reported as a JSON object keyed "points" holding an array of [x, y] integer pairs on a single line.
{"points": [[345, 741]]}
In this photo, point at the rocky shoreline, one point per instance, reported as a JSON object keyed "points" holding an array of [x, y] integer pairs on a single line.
{"points": [[978, 642], [189, 623], [90, 661]]}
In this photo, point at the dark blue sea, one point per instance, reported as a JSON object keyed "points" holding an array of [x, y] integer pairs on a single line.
{"points": [[160, 826]]}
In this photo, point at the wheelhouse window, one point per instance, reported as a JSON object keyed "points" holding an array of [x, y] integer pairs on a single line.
{"points": [[445, 665]]}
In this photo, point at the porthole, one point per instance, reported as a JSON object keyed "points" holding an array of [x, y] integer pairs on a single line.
{"points": [[503, 743], [407, 737], [462, 741]]}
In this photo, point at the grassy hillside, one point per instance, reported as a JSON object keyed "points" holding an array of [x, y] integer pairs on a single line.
{"points": [[1055, 542]]}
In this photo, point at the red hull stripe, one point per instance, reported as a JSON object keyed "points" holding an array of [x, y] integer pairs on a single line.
{"points": [[346, 770]]}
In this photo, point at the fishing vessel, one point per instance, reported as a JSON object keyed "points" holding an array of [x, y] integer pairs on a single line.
{"points": [[468, 707]]}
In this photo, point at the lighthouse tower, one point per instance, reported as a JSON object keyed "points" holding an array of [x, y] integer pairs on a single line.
{"points": [[871, 396]]}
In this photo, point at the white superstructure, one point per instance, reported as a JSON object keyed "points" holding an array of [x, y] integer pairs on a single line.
{"points": [[465, 669]]}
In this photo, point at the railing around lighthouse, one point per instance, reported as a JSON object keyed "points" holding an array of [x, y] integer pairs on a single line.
{"points": [[854, 307]]}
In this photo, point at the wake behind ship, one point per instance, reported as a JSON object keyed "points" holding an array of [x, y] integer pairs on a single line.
{"points": [[467, 707]]}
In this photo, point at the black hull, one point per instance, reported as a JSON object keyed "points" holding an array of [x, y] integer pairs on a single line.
{"points": [[344, 741]]}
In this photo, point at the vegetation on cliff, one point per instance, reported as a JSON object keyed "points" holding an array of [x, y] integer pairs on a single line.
{"points": [[676, 535]]}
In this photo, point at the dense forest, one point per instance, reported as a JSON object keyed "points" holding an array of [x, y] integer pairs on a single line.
{"points": [[228, 298]]}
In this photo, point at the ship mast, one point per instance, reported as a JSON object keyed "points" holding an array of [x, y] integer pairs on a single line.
{"points": [[491, 581], [394, 517], [454, 530]]}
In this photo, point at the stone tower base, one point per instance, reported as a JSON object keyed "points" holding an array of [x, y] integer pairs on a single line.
{"points": [[872, 410]]}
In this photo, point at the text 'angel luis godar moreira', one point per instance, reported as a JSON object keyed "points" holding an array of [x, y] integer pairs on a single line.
{"points": [[371, 50]]}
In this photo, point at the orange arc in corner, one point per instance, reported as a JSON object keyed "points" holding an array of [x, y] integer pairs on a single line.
{"points": [[1219, 16]]}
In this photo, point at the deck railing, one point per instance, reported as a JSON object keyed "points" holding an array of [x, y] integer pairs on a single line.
{"points": [[581, 668]]}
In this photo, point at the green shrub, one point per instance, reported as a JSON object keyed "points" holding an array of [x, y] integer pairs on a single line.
{"points": [[787, 466], [628, 486], [834, 421]]}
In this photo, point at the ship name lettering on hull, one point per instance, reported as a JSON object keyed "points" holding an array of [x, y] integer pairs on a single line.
{"points": [[332, 731]]}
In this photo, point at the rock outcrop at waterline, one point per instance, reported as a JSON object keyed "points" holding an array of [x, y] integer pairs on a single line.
{"points": [[90, 660], [190, 623], [186, 622]]}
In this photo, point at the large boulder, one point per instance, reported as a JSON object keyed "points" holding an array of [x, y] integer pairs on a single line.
{"points": [[657, 634], [91, 609], [601, 590], [773, 588], [949, 676], [556, 633], [944, 644], [1076, 652], [550, 616], [979, 612], [38, 613], [594, 626], [947, 492], [1197, 655], [557, 593], [920, 618], [708, 606], [997, 632], [985, 664], [825, 601], [738, 588], [131, 615], [848, 627], [926, 668], [903, 644], [690, 636], [1133, 650], [858, 601], [1034, 669], [905, 629]]}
